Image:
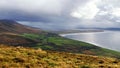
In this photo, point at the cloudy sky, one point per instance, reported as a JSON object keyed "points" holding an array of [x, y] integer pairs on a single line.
{"points": [[62, 14]]}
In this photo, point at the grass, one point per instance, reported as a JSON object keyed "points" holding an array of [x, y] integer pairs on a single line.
{"points": [[54, 42], [20, 57]]}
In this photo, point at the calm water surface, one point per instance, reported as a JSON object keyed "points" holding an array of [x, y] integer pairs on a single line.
{"points": [[106, 39]]}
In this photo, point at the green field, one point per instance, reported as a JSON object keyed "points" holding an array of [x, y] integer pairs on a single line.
{"points": [[54, 42]]}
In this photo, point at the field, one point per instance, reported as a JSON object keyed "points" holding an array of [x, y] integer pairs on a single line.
{"points": [[54, 42]]}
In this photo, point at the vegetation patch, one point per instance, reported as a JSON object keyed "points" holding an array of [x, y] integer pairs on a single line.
{"points": [[20, 57], [49, 41]]}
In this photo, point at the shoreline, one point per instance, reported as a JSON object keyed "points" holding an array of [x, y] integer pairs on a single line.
{"points": [[77, 31]]}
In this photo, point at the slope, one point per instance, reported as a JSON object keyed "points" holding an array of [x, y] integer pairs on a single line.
{"points": [[17, 34], [20, 57], [15, 39], [57, 43], [14, 27]]}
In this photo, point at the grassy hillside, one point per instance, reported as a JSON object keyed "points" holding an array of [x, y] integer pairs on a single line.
{"points": [[13, 33], [54, 42], [20, 57], [15, 39]]}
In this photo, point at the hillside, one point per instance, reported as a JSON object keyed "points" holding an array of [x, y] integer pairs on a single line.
{"points": [[12, 33], [57, 43], [14, 27], [15, 39], [20, 57]]}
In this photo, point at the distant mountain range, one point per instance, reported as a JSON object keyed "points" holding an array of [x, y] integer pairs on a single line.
{"points": [[77, 31], [84, 30], [112, 28], [15, 34], [115, 29]]}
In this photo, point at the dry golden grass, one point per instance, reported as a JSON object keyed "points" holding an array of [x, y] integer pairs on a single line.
{"points": [[20, 57]]}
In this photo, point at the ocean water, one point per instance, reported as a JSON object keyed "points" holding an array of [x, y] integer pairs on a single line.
{"points": [[106, 39]]}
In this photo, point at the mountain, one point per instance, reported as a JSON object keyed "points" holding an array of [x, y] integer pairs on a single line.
{"points": [[114, 29], [14, 27], [20, 57], [15, 34]]}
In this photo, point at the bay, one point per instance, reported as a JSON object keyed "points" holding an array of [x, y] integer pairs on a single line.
{"points": [[106, 39]]}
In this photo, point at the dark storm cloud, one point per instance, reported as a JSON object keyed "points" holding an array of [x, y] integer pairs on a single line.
{"points": [[61, 14], [35, 10]]}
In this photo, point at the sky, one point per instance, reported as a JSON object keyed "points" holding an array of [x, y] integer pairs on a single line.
{"points": [[62, 14]]}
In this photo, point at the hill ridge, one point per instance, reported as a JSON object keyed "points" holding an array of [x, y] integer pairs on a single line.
{"points": [[14, 27]]}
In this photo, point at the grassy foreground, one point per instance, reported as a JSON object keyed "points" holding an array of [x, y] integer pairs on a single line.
{"points": [[20, 57]]}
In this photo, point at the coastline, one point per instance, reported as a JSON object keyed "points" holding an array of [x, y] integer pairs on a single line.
{"points": [[77, 31]]}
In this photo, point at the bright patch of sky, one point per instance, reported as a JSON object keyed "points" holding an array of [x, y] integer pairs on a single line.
{"points": [[87, 11], [116, 12]]}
